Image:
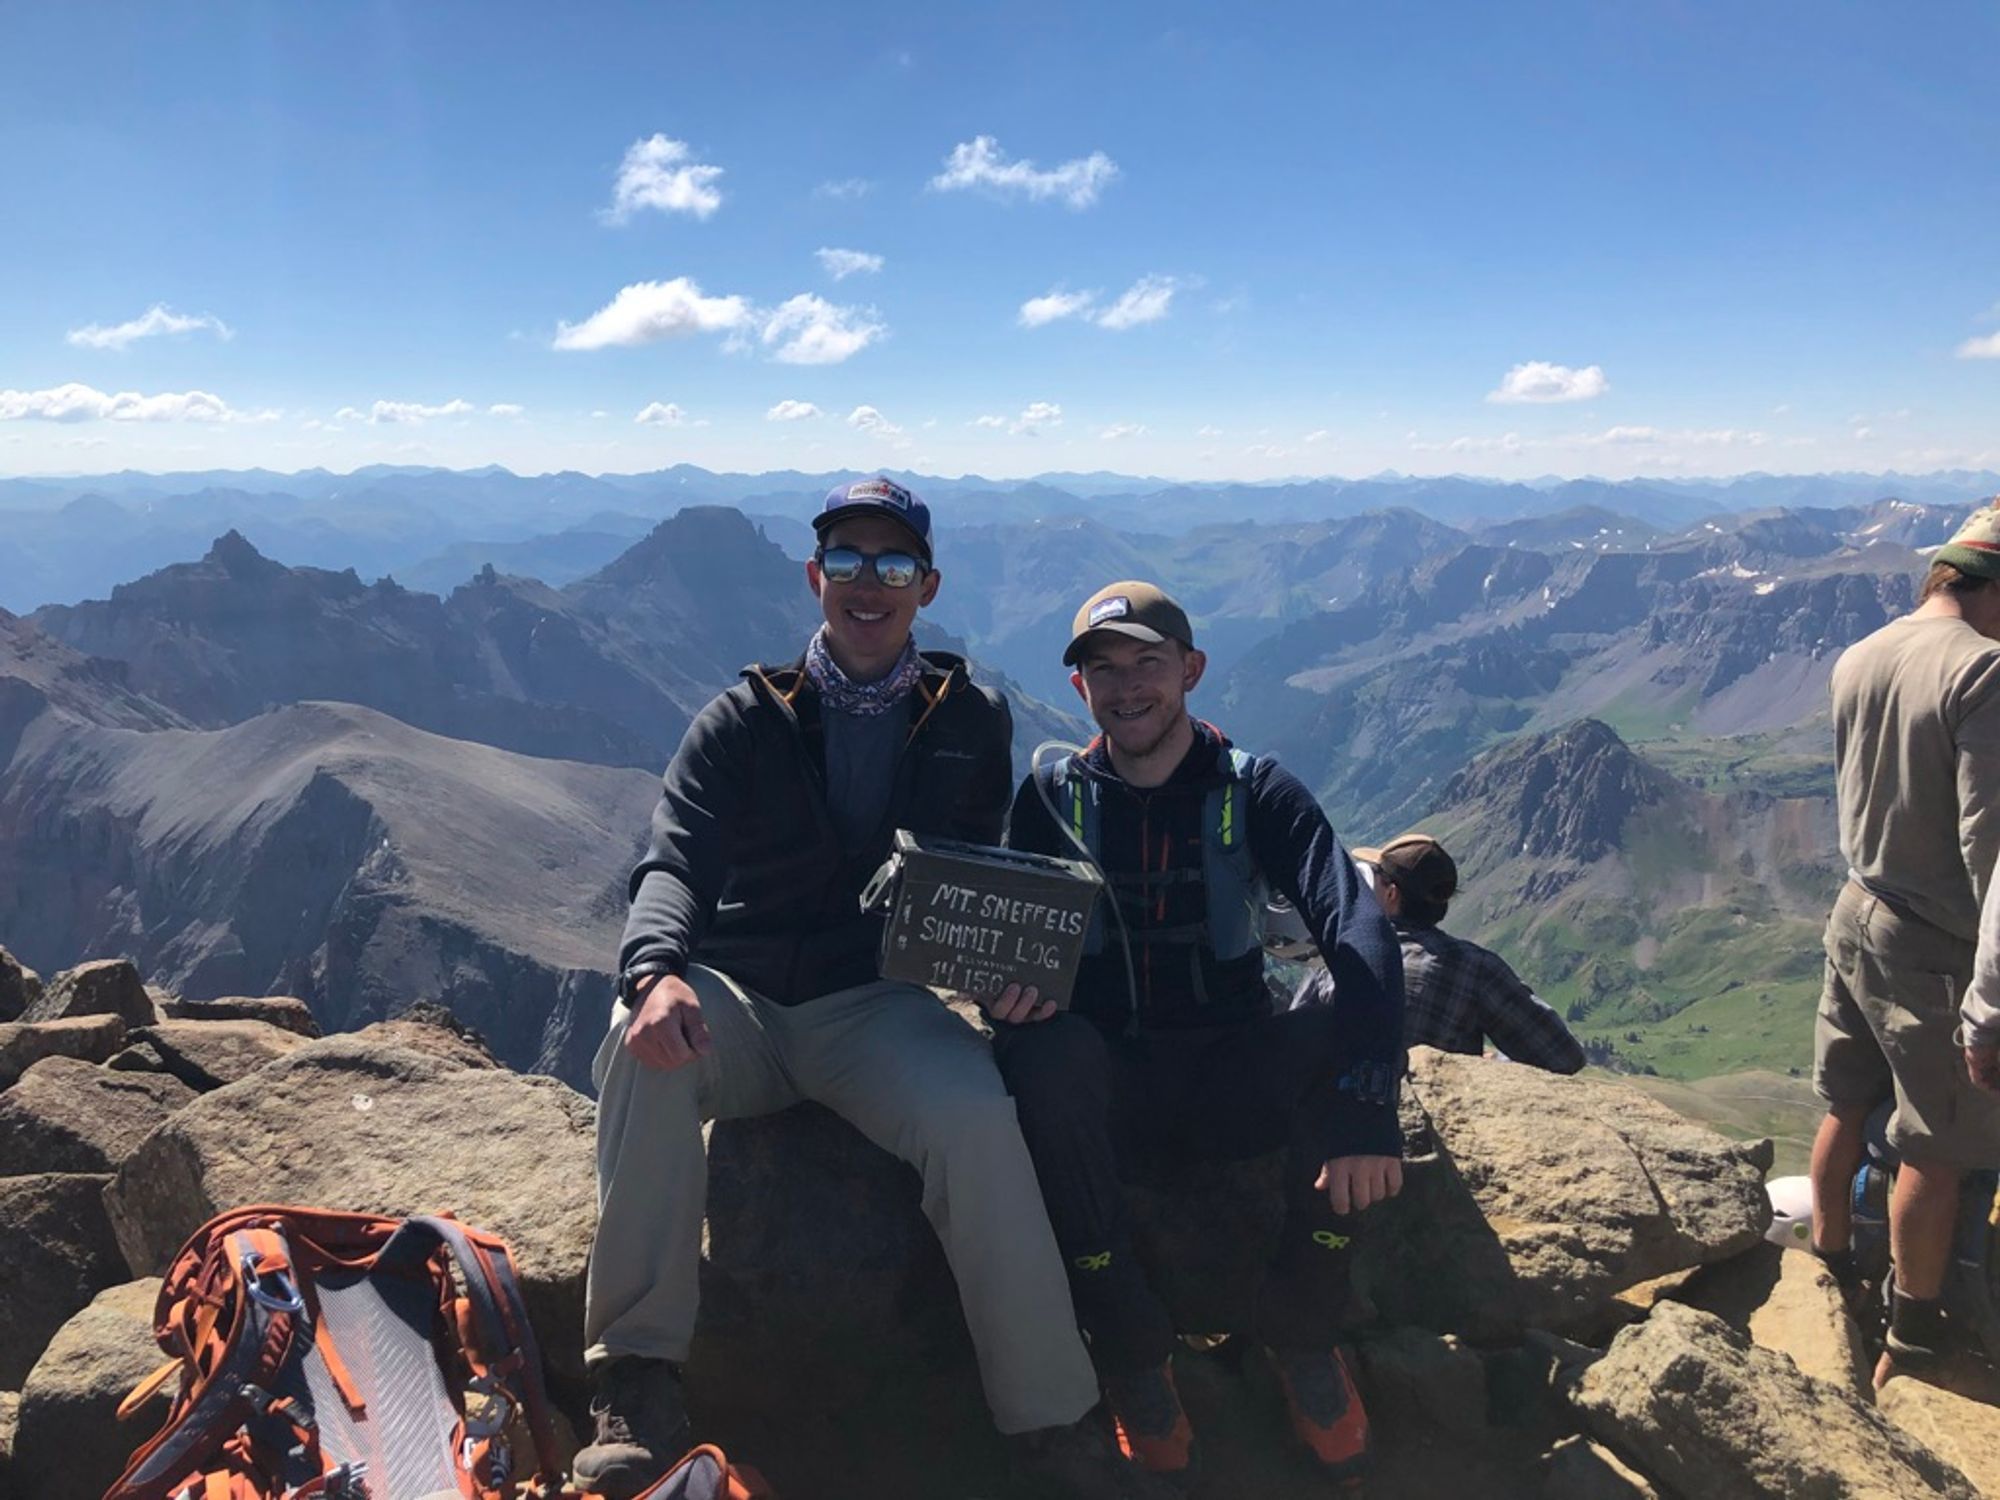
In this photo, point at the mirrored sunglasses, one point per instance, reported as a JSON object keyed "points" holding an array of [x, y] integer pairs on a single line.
{"points": [[894, 570]]}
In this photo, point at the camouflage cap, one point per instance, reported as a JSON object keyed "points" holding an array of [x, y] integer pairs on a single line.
{"points": [[1976, 547]]}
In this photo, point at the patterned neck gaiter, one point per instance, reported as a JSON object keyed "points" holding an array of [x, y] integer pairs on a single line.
{"points": [[863, 699]]}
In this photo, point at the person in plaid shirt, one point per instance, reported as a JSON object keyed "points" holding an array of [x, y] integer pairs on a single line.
{"points": [[1458, 995]]}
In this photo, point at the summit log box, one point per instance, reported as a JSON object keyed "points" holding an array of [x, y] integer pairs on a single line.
{"points": [[974, 919]]}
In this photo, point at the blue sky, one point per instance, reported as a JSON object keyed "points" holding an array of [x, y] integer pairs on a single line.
{"points": [[1622, 237]]}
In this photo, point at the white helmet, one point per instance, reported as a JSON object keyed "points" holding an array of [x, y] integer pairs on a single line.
{"points": [[1791, 1212]]}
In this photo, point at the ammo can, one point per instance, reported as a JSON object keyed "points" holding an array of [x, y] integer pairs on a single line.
{"points": [[975, 919]]}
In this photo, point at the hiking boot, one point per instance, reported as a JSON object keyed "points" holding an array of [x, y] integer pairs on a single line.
{"points": [[1079, 1462], [641, 1427], [1325, 1409], [1150, 1425]]}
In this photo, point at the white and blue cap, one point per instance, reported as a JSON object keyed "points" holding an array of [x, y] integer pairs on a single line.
{"points": [[878, 496]]}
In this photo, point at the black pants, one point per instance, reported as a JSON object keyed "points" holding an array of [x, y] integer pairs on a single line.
{"points": [[1087, 1104]]}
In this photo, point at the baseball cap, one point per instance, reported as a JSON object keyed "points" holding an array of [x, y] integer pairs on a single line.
{"points": [[1975, 548], [1140, 610], [1418, 863], [878, 496]]}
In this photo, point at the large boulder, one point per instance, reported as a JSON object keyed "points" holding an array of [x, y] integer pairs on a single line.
{"points": [[69, 1444], [93, 1038], [1952, 1425], [1704, 1410], [1537, 1198], [1787, 1301], [106, 987], [286, 1011], [10, 1416], [350, 1123], [66, 1115], [57, 1251], [206, 1055], [20, 986]]}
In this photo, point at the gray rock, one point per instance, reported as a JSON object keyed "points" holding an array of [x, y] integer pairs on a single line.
{"points": [[1418, 1376], [66, 1115], [1582, 1470], [286, 1011], [1708, 1413], [70, 1444], [57, 1251], [347, 1123], [22, 1045], [206, 1055], [105, 987], [1546, 1196], [10, 1413], [1953, 1424], [20, 986], [1787, 1301]]}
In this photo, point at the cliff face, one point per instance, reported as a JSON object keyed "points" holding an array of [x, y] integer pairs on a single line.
{"points": [[334, 853]]}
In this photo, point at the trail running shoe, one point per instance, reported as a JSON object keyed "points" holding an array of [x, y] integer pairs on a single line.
{"points": [[1079, 1462], [1151, 1426], [641, 1427], [1325, 1409]]}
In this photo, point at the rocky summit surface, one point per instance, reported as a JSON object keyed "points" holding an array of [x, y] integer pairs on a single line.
{"points": [[1541, 1216]]}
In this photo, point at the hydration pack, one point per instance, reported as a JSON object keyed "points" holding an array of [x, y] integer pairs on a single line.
{"points": [[1235, 889], [341, 1356]]}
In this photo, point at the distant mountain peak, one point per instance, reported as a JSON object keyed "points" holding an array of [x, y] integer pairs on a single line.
{"points": [[233, 553], [1559, 796]]}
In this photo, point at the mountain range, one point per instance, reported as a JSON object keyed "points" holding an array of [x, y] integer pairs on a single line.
{"points": [[256, 774]]}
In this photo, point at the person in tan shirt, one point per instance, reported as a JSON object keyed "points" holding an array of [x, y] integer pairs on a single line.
{"points": [[1916, 709]]}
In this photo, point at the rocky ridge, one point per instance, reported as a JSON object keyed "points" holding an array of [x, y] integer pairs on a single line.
{"points": [[1506, 1346]]}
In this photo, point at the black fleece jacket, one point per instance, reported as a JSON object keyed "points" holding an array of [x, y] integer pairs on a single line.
{"points": [[746, 872], [1158, 832]]}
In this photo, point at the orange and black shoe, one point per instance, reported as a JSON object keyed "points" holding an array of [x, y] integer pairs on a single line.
{"points": [[1152, 1429], [1325, 1409]]}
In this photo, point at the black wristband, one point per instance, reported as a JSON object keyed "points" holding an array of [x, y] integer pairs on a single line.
{"points": [[628, 982]]}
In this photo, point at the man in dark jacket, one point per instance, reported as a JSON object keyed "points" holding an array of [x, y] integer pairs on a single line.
{"points": [[748, 981], [1171, 1044]]}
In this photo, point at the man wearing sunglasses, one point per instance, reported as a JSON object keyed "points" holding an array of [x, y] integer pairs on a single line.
{"points": [[1171, 1047], [748, 981]]}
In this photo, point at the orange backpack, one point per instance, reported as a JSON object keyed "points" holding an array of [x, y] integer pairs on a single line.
{"points": [[339, 1356]]}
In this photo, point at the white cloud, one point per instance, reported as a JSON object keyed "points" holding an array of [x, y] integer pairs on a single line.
{"points": [[648, 311], [82, 403], [661, 414], [1035, 416], [793, 411], [844, 188], [810, 330], [989, 421], [841, 264], [1057, 304], [409, 413], [1317, 437], [155, 321], [1209, 431], [1145, 301], [1539, 381], [506, 409], [599, 416], [1981, 348], [867, 419], [978, 163], [1119, 430], [658, 173]]}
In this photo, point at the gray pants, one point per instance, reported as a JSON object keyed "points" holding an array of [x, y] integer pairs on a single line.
{"points": [[909, 1075]]}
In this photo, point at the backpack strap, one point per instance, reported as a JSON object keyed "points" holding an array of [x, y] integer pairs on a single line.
{"points": [[269, 1315], [504, 1336]]}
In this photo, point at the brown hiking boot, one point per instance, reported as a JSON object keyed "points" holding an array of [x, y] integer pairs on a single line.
{"points": [[1080, 1462], [641, 1427]]}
